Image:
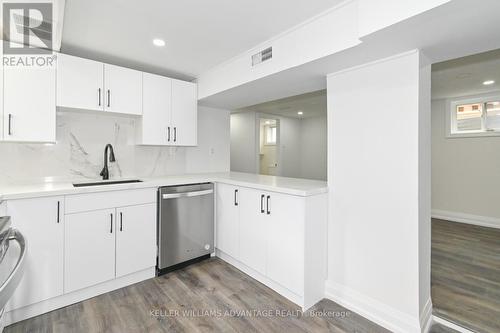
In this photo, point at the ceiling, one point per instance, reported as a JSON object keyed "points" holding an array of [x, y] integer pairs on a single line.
{"points": [[440, 33], [465, 76], [310, 104], [199, 34]]}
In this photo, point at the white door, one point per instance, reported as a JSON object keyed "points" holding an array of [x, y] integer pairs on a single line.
{"points": [[135, 238], [227, 224], [41, 221], [253, 233], [80, 83], [285, 245], [184, 113], [123, 90], [153, 128], [89, 249], [29, 104]]}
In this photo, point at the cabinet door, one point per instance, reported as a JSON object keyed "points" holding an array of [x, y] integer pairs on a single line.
{"points": [[135, 238], [184, 113], [89, 249], [227, 219], [80, 83], [253, 235], [153, 128], [29, 104], [41, 221], [285, 245], [123, 90]]}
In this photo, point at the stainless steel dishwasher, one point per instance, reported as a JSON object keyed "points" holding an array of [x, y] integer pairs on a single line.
{"points": [[185, 225]]}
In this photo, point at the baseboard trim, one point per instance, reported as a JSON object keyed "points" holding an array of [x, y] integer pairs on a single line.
{"points": [[76, 296], [451, 325], [482, 221], [380, 313]]}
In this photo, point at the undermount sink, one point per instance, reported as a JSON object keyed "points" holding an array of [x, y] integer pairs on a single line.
{"points": [[107, 182]]}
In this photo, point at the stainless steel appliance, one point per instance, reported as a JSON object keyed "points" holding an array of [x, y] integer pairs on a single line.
{"points": [[185, 225], [12, 262]]}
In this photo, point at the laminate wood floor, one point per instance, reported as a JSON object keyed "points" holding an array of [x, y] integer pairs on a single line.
{"points": [[209, 296], [466, 275]]}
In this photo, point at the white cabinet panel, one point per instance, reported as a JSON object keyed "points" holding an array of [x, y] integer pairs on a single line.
{"points": [[135, 238], [285, 246], [89, 249], [41, 221], [122, 90], [1, 94], [80, 83], [253, 233], [184, 113], [154, 127], [227, 232], [29, 104]]}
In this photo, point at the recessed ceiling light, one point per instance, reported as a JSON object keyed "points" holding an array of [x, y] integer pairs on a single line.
{"points": [[300, 113], [158, 42], [488, 82]]}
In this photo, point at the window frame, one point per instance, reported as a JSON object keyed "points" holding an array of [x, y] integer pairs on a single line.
{"points": [[269, 127], [451, 116]]}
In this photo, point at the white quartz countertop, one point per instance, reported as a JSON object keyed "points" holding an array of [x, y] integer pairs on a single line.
{"points": [[293, 186]]}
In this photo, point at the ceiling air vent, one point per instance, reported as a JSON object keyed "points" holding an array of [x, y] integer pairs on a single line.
{"points": [[262, 56]]}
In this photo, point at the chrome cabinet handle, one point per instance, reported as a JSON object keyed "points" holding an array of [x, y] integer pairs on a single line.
{"points": [[109, 98], [262, 204], [268, 210], [58, 212], [236, 197], [175, 134], [10, 124], [99, 96], [121, 221], [111, 224]]}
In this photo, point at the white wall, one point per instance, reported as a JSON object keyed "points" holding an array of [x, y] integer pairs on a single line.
{"points": [[302, 151], [213, 151], [244, 142], [81, 137], [313, 149], [465, 171], [378, 220]]}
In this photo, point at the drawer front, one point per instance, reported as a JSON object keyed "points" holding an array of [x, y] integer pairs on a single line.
{"points": [[102, 200]]}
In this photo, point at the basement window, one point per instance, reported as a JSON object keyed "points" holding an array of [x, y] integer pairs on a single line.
{"points": [[475, 117]]}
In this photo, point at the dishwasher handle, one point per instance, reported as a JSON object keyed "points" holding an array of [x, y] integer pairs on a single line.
{"points": [[186, 194]]}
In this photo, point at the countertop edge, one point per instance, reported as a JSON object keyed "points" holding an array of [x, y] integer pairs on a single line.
{"points": [[154, 183]]}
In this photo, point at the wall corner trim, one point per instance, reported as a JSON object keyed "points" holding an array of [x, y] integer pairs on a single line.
{"points": [[426, 316], [376, 311]]}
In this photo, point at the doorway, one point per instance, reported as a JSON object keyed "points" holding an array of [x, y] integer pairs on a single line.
{"points": [[269, 146]]}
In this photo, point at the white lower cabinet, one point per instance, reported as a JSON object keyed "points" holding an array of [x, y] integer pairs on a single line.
{"points": [[135, 238], [228, 219], [41, 221], [89, 256], [284, 228], [271, 233], [105, 244], [253, 236]]}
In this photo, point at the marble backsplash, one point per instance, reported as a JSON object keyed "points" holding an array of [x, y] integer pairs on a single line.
{"points": [[78, 153]]}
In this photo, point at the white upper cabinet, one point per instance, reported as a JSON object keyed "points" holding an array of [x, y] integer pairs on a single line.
{"points": [[80, 83], [91, 85], [153, 128], [184, 113], [123, 90], [29, 104]]}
